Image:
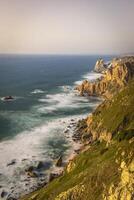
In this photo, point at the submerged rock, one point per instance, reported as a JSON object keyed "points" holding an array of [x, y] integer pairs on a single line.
{"points": [[40, 165], [12, 162], [3, 194], [29, 169], [30, 172]]}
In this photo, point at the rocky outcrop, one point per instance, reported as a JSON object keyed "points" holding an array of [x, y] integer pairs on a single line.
{"points": [[59, 162], [111, 117], [115, 78], [74, 193], [100, 66], [125, 188]]}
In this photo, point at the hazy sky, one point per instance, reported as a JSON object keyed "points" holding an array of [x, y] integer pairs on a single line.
{"points": [[67, 26]]}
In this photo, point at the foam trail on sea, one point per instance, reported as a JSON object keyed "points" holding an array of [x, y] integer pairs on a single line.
{"points": [[91, 76], [37, 91]]}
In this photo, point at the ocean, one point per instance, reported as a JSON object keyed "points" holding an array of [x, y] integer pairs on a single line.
{"points": [[32, 126]]}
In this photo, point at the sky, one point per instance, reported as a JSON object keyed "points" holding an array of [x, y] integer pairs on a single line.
{"points": [[67, 26]]}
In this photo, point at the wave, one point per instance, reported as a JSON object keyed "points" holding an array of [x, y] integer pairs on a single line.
{"points": [[91, 76], [62, 101], [37, 91]]}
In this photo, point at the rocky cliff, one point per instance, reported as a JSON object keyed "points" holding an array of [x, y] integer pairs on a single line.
{"points": [[100, 66], [116, 76]]}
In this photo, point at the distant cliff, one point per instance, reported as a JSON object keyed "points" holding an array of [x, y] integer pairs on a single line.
{"points": [[116, 76]]}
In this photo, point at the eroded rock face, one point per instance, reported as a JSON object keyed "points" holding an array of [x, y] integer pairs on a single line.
{"points": [[125, 188], [100, 66], [115, 77], [74, 193], [70, 166]]}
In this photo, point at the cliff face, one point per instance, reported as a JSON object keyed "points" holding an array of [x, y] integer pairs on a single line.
{"points": [[118, 74], [112, 116]]}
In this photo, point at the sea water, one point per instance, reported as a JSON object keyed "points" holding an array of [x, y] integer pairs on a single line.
{"points": [[32, 126]]}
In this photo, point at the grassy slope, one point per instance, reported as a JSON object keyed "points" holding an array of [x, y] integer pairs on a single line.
{"points": [[118, 113], [97, 167]]}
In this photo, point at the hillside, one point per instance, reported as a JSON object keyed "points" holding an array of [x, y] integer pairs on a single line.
{"points": [[104, 170]]}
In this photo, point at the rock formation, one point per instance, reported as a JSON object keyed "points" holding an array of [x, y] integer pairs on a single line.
{"points": [[115, 77], [100, 66]]}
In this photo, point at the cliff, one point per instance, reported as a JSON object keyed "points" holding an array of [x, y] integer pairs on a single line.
{"points": [[116, 76], [100, 66], [104, 170]]}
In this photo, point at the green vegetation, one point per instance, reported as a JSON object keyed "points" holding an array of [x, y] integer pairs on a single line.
{"points": [[96, 169], [116, 114]]}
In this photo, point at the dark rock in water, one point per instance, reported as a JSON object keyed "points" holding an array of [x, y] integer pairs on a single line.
{"points": [[29, 169], [12, 162], [1, 186], [66, 131], [8, 98], [59, 162], [3, 194], [32, 174], [72, 120], [24, 159], [40, 165]]}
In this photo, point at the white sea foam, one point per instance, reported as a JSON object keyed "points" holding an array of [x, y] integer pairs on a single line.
{"points": [[28, 148], [37, 91], [62, 101], [91, 76]]}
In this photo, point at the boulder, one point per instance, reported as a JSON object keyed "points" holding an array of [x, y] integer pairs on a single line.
{"points": [[8, 98], [3, 194], [59, 162]]}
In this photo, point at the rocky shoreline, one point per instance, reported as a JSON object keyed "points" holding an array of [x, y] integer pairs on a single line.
{"points": [[35, 173], [61, 163]]}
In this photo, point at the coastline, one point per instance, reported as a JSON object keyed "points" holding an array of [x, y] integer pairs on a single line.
{"points": [[29, 182], [78, 145], [110, 153]]}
